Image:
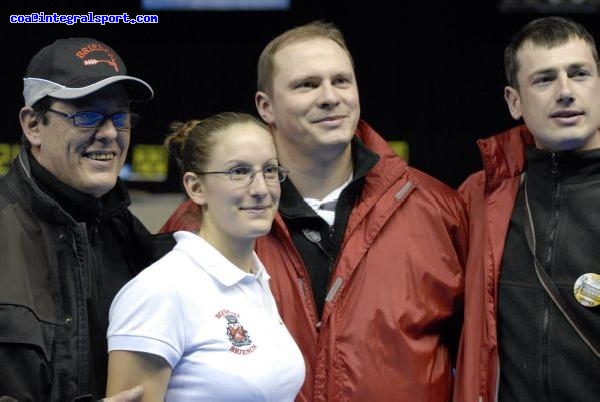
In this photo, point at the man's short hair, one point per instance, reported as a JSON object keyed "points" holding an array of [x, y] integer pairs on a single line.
{"points": [[548, 32], [312, 30]]}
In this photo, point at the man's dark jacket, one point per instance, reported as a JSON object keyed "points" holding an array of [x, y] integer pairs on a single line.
{"points": [[58, 276]]}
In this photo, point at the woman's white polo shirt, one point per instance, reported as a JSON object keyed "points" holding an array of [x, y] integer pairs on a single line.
{"points": [[217, 326]]}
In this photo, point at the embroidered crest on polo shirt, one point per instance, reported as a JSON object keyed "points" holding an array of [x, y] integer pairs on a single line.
{"points": [[96, 47], [241, 343]]}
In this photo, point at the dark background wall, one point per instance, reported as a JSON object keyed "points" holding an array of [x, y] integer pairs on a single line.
{"points": [[429, 73]]}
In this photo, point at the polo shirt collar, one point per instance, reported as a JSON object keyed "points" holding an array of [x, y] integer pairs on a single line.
{"points": [[213, 262]]}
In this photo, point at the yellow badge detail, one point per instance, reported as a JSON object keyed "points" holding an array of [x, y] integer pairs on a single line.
{"points": [[587, 290]]}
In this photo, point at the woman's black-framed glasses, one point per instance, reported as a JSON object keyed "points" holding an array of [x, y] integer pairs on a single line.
{"points": [[273, 174], [121, 121]]}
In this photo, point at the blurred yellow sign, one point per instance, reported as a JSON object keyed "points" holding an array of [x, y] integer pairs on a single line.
{"points": [[149, 163], [8, 152], [401, 148]]}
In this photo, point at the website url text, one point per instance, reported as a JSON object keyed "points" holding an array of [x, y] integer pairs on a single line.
{"points": [[89, 18]]}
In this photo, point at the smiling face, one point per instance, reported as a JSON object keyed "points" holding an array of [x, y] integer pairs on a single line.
{"points": [[314, 105], [235, 212], [86, 159], [558, 95]]}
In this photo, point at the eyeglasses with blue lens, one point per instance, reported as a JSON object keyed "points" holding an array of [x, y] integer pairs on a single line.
{"points": [[273, 174], [121, 121]]}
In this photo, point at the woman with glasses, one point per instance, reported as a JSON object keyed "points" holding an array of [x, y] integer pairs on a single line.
{"points": [[201, 324]]}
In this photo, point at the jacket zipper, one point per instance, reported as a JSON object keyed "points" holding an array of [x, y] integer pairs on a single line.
{"points": [[547, 265]]}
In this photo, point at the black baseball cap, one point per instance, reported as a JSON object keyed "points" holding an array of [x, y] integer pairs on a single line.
{"points": [[75, 67]]}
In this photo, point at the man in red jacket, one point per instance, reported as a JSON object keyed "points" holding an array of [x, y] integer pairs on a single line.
{"points": [[534, 215], [366, 255]]}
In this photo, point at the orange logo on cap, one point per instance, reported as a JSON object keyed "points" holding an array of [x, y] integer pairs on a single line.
{"points": [[95, 47]]}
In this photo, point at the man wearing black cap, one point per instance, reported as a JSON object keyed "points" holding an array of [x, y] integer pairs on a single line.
{"points": [[68, 240]]}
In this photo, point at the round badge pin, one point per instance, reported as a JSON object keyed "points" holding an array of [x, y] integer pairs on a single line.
{"points": [[587, 290]]}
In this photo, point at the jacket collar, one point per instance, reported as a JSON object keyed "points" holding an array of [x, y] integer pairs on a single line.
{"points": [[57, 202], [291, 203], [389, 170], [503, 155], [572, 166]]}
